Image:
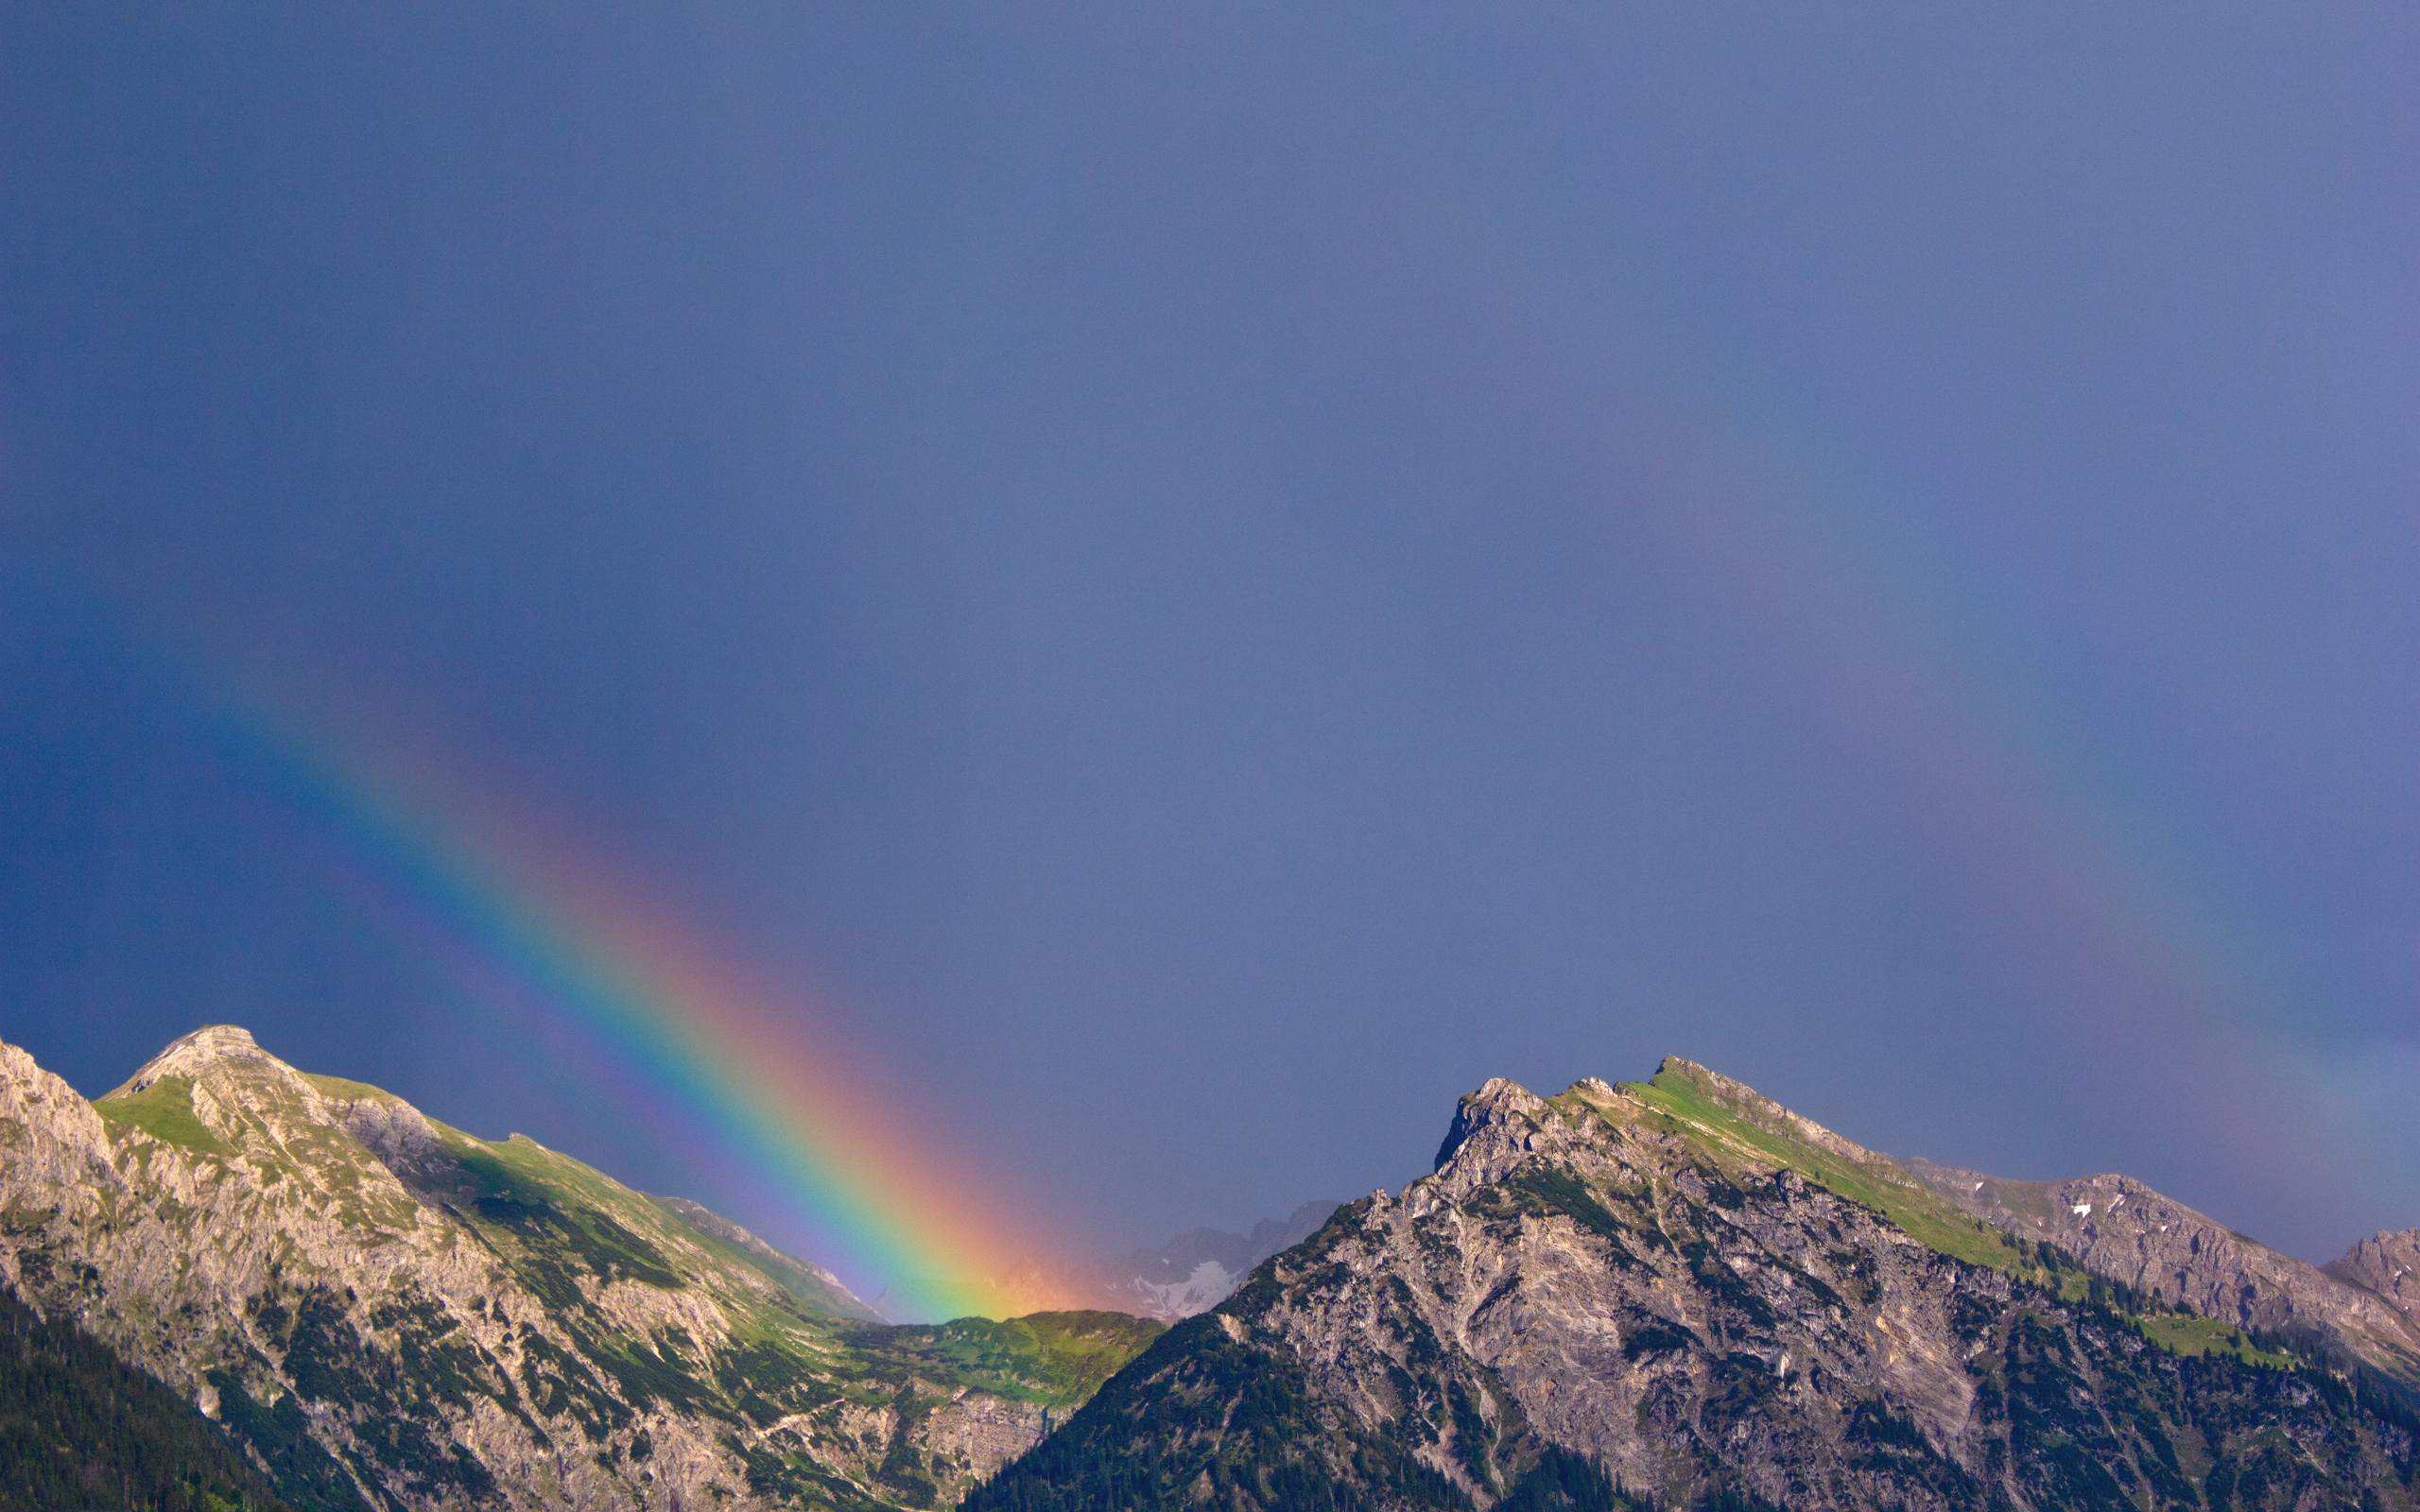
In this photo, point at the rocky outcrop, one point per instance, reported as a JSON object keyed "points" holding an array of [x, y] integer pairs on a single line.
{"points": [[393, 1314], [2123, 1230], [1706, 1299], [2388, 1266], [213, 1051]]}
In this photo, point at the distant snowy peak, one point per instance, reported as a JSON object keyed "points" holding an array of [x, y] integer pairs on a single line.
{"points": [[1204, 1288], [1199, 1268]]}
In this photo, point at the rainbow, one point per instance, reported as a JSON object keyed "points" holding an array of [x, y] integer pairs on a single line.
{"points": [[2186, 974], [2180, 969], [601, 973], [2179, 960]]}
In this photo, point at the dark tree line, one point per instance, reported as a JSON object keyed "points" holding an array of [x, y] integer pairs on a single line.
{"points": [[1564, 1482], [81, 1432], [1561, 1481]]}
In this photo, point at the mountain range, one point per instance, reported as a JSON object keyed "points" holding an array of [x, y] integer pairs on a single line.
{"points": [[1671, 1293], [387, 1313]]}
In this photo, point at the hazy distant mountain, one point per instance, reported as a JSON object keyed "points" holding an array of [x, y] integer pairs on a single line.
{"points": [[1679, 1294], [1191, 1273], [387, 1313], [1196, 1270]]}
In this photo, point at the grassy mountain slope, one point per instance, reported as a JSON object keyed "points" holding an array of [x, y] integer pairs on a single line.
{"points": [[2108, 1231]]}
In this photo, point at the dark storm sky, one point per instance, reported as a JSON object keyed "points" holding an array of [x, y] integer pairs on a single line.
{"points": [[1208, 579]]}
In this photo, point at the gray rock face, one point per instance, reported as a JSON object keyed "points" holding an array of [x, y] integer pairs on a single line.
{"points": [[2120, 1230], [1671, 1280], [2388, 1266], [1798, 1301], [401, 1316]]}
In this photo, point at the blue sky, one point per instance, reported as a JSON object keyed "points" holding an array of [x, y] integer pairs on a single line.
{"points": [[1209, 582]]}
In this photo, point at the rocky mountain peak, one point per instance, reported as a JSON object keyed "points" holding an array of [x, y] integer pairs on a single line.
{"points": [[219, 1078], [210, 1048], [1715, 1302], [1487, 1119]]}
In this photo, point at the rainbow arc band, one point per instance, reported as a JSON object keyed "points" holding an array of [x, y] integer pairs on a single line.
{"points": [[731, 1060]]}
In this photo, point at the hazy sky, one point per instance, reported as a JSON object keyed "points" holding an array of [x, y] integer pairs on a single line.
{"points": [[1205, 579]]}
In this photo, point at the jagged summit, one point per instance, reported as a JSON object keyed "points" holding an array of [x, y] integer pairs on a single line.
{"points": [[205, 1049], [1707, 1103], [1679, 1075], [1498, 1100]]}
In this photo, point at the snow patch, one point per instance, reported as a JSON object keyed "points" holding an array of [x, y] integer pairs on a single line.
{"points": [[2082, 1210], [1206, 1288]]}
